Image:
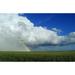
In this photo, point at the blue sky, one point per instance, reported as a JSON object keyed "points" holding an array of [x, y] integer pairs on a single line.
{"points": [[65, 22]]}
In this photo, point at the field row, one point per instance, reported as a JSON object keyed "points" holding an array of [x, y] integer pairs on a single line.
{"points": [[37, 56]]}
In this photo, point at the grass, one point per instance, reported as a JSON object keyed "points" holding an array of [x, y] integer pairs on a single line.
{"points": [[37, 56]]}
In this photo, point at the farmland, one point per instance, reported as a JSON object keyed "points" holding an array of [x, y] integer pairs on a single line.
{"points": [[37, 56]]}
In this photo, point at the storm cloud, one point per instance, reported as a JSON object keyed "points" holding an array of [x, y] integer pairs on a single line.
{"points": [[19, 33]]}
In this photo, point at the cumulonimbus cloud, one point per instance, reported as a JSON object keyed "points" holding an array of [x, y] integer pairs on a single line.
{"points": [[19, 33]]}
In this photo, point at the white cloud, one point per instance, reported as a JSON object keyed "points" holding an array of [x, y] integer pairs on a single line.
{"points": [[70, 39], [19, 33], [57, 30]]}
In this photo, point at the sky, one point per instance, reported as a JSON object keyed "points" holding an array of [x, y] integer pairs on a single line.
{"points": [[65, 22], [37, 32]]}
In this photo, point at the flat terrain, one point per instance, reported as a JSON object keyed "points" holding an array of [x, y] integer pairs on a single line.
{"points": [[37, 56]]}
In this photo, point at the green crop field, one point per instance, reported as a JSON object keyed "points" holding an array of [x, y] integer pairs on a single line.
{"points": [[37, 56]]}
